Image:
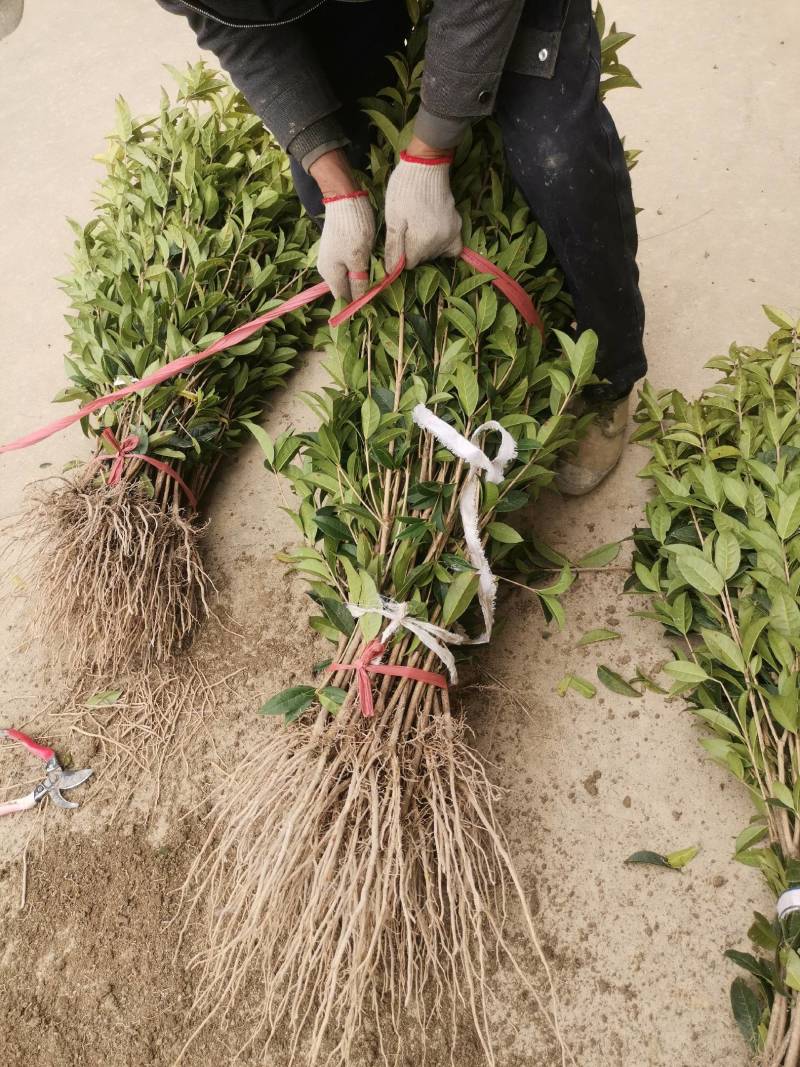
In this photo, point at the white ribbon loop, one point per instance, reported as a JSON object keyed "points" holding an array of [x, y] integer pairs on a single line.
{"points": [[434, 637], [470, 451], [788, 902]]}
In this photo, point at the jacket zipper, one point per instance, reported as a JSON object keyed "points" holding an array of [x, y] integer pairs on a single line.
{"points": [[251, 25]]}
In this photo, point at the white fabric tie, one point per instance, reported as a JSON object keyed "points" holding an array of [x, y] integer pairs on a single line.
{"points": [[788, 902], [434, 637], [470, 451]]}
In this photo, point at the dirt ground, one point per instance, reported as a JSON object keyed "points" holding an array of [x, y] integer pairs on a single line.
{"points": [[90, 968]]}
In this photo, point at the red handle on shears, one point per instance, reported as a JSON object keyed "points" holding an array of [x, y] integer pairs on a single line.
{"points": [[42, 751]]}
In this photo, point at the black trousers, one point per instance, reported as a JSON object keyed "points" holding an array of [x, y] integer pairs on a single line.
{"points": [[562, 149]]}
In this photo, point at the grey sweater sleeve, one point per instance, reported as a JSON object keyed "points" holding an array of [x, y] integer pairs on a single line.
{"points": [[278, 74], [468, 43]]}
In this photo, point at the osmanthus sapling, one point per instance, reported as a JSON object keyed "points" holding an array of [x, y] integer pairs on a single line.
{"points": [[720, 557], [196, 232], [356, 875]]}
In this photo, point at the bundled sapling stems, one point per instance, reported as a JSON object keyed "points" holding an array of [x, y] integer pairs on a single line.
{"points": [[721, 558], [196, 232], [356, 877]]}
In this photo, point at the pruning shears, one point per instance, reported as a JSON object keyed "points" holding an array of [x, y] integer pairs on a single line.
{"points": [[56, 778]]}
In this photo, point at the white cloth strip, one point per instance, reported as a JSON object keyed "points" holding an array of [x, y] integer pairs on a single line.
{"points": [[470, 451], [788, 902], [434, 637]]}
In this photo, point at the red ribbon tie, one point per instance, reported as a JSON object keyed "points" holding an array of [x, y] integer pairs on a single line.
{"points": [[127, 449], [365, 667]]}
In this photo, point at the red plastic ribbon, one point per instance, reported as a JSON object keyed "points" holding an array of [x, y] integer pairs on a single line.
{"points": [[169, 370], [511, 289], [126, 449], [364, 668], [362, 301]]}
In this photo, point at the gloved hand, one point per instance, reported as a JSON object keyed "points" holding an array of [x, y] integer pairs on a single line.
{"points": [[421, 218], [348, 235]]}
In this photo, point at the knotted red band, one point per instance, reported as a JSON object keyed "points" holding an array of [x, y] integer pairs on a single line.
{"points": [[125, 450], [365, 667]]}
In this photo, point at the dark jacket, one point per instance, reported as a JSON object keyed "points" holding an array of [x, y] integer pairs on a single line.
{"points": [[262, 46]]}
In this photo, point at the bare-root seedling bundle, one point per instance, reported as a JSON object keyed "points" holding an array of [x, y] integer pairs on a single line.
{"points": [[720, 557], [195, 233], [357, 877]]}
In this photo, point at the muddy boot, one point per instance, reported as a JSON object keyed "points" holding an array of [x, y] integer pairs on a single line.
{"points": [[10, 16], [598, 452]]}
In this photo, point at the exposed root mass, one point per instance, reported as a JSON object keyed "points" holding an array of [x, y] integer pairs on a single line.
{"points": [[356, 877], [144, 723], [118, 579]]}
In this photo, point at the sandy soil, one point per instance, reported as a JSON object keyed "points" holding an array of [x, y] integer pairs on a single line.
{"points": [[89, 967]]}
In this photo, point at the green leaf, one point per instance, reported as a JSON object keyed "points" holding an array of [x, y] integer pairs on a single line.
{"points": [[735, 490], [785, 614], [338, 615], [747, 1011], [503, 533], [727, 554], [699, 573], [290, 702], [600, 557], [371, 623], [591, 637], [460, 593], [582, 356], [332, 527], [678, 860], [646, 577], [788, 518], [686, 672], [580, 685], [104, 699], [660, 519], [780, 318], [719, 720], [616, 683], [387, 128], [792, 969], [758, 968], [332, 698], [761, 933], [654, 859], [783, 795], [370, 417], [467, 387], [751, 835], [724, 648]]}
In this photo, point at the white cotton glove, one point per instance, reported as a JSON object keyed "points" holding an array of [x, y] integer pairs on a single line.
{"points": [[348, 235], [421, 218]]}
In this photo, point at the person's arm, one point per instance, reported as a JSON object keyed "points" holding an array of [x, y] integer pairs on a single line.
{"points": [[277, 72], [468, 42]]}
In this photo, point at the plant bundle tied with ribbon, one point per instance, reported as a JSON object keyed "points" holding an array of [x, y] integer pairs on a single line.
{"points": [[357, 870], [720, 558], [196, 232]]}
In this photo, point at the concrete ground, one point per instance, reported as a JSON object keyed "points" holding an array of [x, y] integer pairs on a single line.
{"points": [[638, 951]]}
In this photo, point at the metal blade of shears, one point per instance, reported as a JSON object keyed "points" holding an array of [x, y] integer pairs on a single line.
{"points": [[67, 780]]}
